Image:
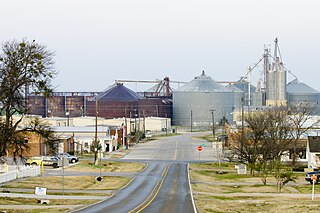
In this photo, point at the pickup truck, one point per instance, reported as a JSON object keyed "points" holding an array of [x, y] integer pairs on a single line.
{"points": [[310, 174], [43, 160]]}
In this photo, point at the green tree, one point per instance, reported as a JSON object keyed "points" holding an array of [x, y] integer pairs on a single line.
{"points": [[24, 67]]}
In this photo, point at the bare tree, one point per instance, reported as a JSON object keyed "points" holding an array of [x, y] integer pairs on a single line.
{"points": [[264, 140], [299, 117], [24, 67]]}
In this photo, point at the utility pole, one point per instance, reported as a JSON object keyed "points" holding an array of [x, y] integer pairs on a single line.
{"points": [[191, 121], [213, 127], [96, 133], [139, 126], [144, 123], [166, 124], [242, 127]]}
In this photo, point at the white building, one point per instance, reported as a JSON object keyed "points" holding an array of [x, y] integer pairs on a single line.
{"points": [[84, 136]]}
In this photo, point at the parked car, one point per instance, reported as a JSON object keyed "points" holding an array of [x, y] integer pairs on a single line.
{"points": [[43, 160], [71, 158], [148, 134], [310, 174]]}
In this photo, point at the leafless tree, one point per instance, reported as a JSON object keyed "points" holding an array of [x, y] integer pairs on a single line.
{"points": [[299, 121], [264, 140]]}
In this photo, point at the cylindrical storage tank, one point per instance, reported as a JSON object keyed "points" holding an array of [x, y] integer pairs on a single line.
{"points": [[194, 102], [298, 92], [238, 95]]}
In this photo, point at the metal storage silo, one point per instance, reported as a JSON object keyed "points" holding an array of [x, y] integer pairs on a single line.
{"points": [[238, 95], [299, 92], [193, 101]]}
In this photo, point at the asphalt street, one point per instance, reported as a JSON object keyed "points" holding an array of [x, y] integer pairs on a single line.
{"points": [[164, 185]]}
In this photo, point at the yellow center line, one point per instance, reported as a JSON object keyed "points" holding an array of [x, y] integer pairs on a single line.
{"points": [[154, 192]]}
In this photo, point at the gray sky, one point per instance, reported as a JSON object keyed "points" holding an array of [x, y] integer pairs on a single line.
{"points": [[99, 41]]}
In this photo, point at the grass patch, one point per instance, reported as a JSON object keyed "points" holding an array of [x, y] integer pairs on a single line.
{"points": [[213, 166], [65, 193], [71, 182], [227, 189], [32, 201], [307, 188], [208, 138], [212, 176], [166, 135], [208, 204], [216, 192], [107, 166], [46, 210], [64, 205], [222, 198]]}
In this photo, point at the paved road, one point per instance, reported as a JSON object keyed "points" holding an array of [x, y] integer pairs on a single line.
{"points": [[164, 185], [177, 148], [135, 193], [174, 196]]}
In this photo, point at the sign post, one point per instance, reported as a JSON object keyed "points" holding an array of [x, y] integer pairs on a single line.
{"points": [[199, 149], [314, 179]]}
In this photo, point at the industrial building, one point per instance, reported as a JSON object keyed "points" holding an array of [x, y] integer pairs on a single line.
{"points": [[203, 101], [299, 92], [200, 102], [117, 101]]}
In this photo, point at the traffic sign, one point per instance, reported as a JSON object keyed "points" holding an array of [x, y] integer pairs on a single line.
{"points": [[199, 148]]}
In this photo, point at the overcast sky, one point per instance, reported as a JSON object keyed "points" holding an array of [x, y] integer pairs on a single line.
{"points": [[99, 41]]}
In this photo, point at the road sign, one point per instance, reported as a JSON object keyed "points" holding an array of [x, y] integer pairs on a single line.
{"points": [[199, 148], [314, 177]]}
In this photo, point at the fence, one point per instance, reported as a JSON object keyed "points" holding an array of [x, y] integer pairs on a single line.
{"points": [[14, 172]]}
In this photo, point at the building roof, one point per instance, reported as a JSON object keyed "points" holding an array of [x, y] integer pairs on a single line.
{"points": [[233, 88], [314, 143], [299, 87], [243, 86], [202, 83], [82, 129], [118, 92]]}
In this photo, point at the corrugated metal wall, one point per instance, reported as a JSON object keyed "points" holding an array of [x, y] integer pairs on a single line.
{"points": [[200, 104]]}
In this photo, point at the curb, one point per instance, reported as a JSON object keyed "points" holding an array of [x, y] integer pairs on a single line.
{"points": [[191, 193]]}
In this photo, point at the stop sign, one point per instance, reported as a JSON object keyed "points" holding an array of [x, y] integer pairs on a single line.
{"points": [[199, 148]]}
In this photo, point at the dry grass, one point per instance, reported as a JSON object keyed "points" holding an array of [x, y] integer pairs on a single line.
{"points": [[210, 175], [226, 184], [46, 210], [71, 182], [31, 201], [32, 205], [207, 203], [107, 166], [236, 188]]}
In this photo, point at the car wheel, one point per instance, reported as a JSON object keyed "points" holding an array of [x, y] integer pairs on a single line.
{"points": [[55, 165], [34, 164], [73, 160]]}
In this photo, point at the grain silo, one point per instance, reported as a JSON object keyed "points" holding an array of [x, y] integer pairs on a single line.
{"points": [[194, 102], [299, 92], [116, 102]]}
